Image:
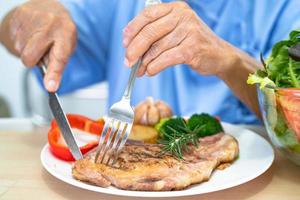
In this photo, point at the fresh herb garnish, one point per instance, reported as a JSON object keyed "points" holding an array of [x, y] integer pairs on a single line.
{"points": [[178, 136]]}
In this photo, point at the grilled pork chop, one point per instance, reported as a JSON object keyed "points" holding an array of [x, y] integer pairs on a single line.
{"points": [[142, 167]]}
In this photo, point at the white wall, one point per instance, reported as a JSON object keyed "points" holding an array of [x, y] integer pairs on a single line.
{"points": [[90, 101], [11, 69]]}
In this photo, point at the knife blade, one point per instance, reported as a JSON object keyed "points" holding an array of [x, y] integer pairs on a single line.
{"points": [[62, 121]]}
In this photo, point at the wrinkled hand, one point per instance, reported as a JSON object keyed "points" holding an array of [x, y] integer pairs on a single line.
{"points": [[43, 28], [170, 34]]}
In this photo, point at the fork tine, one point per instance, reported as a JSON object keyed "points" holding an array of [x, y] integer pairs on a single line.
{"points": [[102, 138], [115, 127], [117, 140], [122, 142]]}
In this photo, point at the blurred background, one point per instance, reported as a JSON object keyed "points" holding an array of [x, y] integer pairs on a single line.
{"points": [[22, 97]]}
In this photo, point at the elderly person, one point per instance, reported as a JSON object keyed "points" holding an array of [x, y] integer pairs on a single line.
{"points": [[196, 55]]}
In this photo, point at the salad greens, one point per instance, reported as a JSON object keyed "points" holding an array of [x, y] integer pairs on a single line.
{"points": [[177, 135], [281, 107], [282, 68], [285, 135]]}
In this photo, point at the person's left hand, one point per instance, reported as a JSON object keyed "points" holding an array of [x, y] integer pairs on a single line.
{"points": [[170, 34]]}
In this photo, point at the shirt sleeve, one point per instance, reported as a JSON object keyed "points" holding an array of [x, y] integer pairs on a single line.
{"points": [[276, 21], [271, 22], [87, 64]]}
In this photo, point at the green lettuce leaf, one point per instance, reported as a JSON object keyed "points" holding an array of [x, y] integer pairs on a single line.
{"points": [[281, 69], [262, 81]]}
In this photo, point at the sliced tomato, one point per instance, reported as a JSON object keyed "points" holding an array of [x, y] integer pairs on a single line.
{"points": [[57, 144], [289, 101]]}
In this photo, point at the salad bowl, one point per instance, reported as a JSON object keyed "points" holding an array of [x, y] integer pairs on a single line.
{"points": [[279, 95], [280, 109]]}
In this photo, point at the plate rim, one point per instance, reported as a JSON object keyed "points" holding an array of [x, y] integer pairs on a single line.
{"points": [[153, 194]]}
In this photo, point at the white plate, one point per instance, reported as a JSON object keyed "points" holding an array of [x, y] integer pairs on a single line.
{"points": [[256, 156]]}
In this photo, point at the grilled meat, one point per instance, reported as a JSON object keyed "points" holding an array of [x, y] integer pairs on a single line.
{"points": [[142, 167]]}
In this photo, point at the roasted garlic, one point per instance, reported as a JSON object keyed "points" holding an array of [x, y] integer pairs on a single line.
{"points": [[149, 113]]}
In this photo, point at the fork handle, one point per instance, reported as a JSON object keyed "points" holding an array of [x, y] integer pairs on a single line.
{"points": [[128, 90]]}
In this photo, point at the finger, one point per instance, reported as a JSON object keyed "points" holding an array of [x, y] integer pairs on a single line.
{"points": [[16, 21], [59, 55], [19, 38], [168, 58], [171, 40], [142, 70], [24, 30], [148, 35], [58, 58], [147, 16], [35, 49]]}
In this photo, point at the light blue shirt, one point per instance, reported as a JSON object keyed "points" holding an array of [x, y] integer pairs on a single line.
{"points": [[253, 26]]}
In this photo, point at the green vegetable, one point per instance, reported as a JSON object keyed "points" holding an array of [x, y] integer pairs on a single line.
{"points": [[167, 126], [285, 135], [177, 135], [160, 124], [281, 69], [210, 125], [262, 81], [176, 141]]}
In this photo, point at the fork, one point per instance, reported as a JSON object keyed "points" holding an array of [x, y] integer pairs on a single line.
{"points": [[118, 124], [119, 121]]}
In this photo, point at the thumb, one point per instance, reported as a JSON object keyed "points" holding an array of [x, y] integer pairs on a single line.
{"points": [[56, 64]]}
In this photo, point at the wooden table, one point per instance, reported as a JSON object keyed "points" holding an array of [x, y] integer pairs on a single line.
{"points": [[23, 177]]}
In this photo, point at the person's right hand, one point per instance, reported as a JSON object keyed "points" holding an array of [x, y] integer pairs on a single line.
{"points": [[40, 30]]}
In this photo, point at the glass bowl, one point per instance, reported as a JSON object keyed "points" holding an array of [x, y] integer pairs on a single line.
{"points": [[280, 108]]}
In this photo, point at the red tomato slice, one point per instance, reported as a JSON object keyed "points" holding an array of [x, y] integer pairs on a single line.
{"points": [[289, 101]]}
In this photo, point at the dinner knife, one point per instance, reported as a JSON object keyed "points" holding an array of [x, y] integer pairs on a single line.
{"points": [[62, 120]]}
